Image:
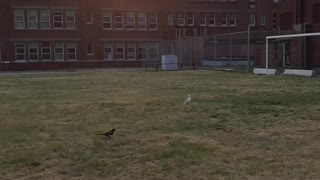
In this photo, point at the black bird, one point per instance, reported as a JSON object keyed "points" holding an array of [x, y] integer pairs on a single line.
{"points": [[108, 134]]}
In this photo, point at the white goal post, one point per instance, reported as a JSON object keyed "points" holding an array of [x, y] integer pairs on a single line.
{"points": [[283, 37]]}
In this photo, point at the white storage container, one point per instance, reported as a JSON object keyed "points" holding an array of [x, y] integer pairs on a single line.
{"points": [[169, 62]]}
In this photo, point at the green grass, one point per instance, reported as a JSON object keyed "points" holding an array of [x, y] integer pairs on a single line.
{"points": [[238, 126]]}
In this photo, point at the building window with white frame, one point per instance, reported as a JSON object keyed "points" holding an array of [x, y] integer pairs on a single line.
{"points": [[19, 19], [153, 51], [108, 51], [107, 20], [190, 18], [224, 19], [119, 53], [33, 51], [142, 53], [44, 19], [263, 20], [142, 20], [131, 51], [71, 51], [90, 50], [20, 51], [170, 19], [153, 21], [181, 18], [32, 19], [252, 19], [70, 19], [203, 19], [232, 19], [58, 51], [212, 19], [118, 20], [57, 19], [45, 51], [131, 21]]}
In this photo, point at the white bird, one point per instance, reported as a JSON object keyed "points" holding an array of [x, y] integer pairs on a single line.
{"points": [[188, 100]]}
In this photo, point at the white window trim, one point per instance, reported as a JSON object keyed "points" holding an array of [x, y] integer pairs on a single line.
{"points": [[123, 51], [134, 21], [254, 19], [29, 53], [58, 53], [36, 18], [49, 22], [16, 53], [214, 19], [190, 18], [156, 23], [91, 18], [75, 51], [226, 19], [17, 13], [263, 20], [151, 45], [135, 50], [122, 22], [42, 59], [71, 22], [104, 53], [140, 23], [181, 18], [108, 14], [57, 11], [205, 19]]}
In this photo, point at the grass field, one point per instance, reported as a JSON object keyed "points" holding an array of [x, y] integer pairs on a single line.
{"points": [[238, 126]]}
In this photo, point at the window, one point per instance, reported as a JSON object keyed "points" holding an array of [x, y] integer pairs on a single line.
{"points": [[170, 19], [286, 21], [153, 51], [142, 51], [46, 51], [212, 19], [201, 32], [45, 19], [190, 19], [131, 20], [33, 51], [274, 21], [190, 32], [181, 19], [119, 54], [142, 20], [71, 51], [118, 20], [252, 19], [70, 19], [153, 21], [58, 51], [316, 13], [232, 19], [20, 51], [203, 19], [89, 18], [19, 22], [223, 20], [263, 20], [32, 19], [107, 20], [57, 20], [108, 51], [131, 51], [90, 49], [180, 33]]}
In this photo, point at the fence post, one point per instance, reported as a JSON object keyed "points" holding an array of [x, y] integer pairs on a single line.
{"points": [[248, 50], [181, 66], [230, 50], [157, 67], [194, 66], [215, 48], [146, 66]]}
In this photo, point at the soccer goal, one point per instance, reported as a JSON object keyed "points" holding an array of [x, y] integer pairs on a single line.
{"points": [[283, 37]]}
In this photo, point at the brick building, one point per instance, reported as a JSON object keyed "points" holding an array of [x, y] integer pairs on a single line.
{"points": [[46, 34], [298, 16]]}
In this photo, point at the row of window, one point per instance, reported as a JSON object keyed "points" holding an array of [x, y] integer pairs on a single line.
{"points": [[60, 51], [205, 19], [45, 51], [44, 19]]}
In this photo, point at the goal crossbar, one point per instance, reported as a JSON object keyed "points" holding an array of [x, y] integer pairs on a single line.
{"points": [[283, 37]]}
